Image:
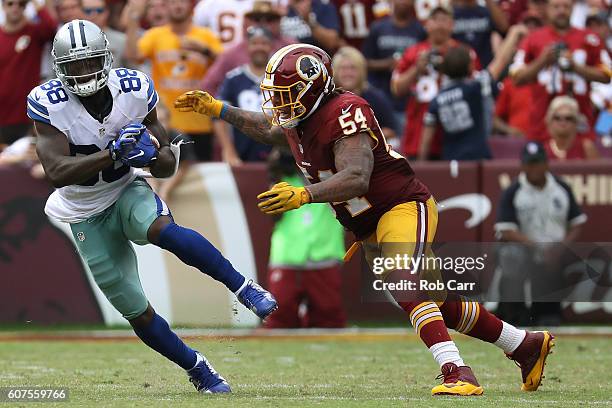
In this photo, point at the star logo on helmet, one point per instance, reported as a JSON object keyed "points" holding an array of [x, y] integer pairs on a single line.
{"points": [[308, 67]]}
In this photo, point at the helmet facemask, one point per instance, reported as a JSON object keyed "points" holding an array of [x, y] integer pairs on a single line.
{"points": [[282, 106], [84, 72]]}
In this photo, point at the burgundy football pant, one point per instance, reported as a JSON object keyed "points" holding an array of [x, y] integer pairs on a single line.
{"points": [[320, 289]]}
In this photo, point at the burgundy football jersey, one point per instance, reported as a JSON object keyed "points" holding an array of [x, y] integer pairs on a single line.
{"points": [[392, 181], [585, 47], [356, 16]]}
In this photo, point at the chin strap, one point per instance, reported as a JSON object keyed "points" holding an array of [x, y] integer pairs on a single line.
{"points": [[329, 87]]}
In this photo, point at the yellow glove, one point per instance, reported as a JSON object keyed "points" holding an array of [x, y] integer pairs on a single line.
{"points": [[199, 101], [282, 197]]}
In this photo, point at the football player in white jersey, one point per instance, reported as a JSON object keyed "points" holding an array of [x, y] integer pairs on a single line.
{"points": [[95, 125]]}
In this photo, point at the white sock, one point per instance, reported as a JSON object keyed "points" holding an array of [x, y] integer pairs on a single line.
{"points": [[246, 282], [510, 338], [446, 352]]}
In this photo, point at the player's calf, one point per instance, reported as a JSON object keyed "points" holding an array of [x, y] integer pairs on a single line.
{"points": [[195, 250], [155, 332]]}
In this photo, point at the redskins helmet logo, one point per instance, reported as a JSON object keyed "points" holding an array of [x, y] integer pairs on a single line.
{"points": [[308, 67]]}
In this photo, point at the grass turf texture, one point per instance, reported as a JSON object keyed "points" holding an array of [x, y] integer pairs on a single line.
{"points": [[303, 372]]}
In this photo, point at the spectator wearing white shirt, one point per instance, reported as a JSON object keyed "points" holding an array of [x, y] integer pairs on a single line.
{"points": [[224, 17]]}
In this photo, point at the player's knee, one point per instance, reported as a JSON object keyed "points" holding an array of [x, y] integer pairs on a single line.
{"points": [[143, 319], [157, 227]]}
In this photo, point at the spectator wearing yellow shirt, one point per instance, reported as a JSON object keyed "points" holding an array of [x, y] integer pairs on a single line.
{"points": [[180, 53]]}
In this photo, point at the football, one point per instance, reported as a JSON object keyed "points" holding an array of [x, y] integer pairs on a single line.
{"points": [[154, 140]]}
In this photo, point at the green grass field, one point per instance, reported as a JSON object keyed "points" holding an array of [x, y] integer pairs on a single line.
{"points": [[303, 372]]}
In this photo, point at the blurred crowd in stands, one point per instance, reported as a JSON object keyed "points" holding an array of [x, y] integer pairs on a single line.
{"points": [[447, 79]]}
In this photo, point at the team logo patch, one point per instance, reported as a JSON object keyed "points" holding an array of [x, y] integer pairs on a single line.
{"points": [[81, 236], [593, 40], [308, 67], [22, 43]]}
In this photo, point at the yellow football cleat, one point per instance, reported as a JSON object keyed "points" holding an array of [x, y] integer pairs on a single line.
{"points": [[457, 381], [531, 356]]}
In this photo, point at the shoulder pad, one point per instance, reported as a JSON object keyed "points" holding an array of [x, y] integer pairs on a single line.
{"points": [[136, 84], [47, 97]]}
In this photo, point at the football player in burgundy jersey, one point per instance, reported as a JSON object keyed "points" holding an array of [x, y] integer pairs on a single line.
{"points": [[337, 142]]}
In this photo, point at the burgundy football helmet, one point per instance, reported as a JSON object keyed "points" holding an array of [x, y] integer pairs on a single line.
{"points": [[297, 79]]}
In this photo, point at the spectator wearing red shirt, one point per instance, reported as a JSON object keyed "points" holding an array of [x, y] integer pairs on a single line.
{"points": [[513, 105], [512, 109], [559, 59], [562, 119], [21, 45], [417, 75]]}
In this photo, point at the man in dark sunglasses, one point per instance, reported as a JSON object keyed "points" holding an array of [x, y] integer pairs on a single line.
{"points": [[98, 13], [21, 45]]}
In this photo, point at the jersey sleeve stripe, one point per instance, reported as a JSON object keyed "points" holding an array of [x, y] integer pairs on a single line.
{"points": [[151, 89], [152, 101], [40, 108], [35, 116], [35, 110]]}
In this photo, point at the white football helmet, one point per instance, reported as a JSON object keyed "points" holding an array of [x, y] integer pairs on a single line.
{"points": [[81, 57]]}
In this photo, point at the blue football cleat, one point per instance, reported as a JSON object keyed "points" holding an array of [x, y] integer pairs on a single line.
{"points": [[206, 380], [257, 299]]}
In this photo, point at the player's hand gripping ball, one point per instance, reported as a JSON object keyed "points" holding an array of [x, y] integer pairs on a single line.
{"points": [[123, 144], [143, 146], [199, 101], [282, 197]]}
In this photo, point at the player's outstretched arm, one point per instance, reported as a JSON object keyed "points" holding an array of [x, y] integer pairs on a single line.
{"points": [[253, 124], [354, 162], [165, 163], [61, 168]]}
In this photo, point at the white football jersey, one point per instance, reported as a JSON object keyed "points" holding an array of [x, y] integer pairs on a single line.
{"points": [[134, 96], [224, 18]]}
